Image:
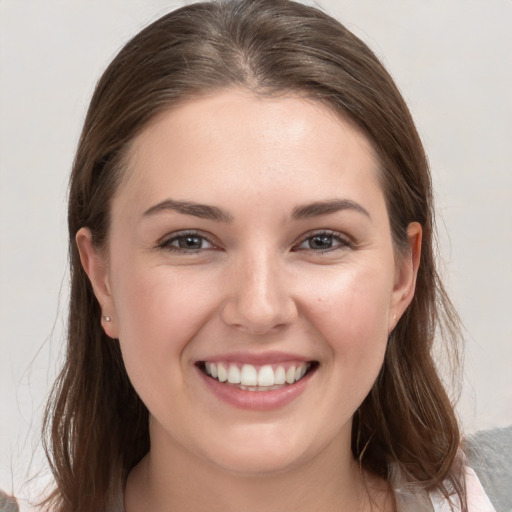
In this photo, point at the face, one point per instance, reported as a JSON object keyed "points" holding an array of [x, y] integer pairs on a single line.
{"points": [[251, 279]]}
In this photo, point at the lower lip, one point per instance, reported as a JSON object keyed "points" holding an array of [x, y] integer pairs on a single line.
{"points": [[256, 400]]}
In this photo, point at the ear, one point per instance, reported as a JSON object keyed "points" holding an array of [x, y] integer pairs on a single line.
{"points": [[405, 275], [96, 267]]}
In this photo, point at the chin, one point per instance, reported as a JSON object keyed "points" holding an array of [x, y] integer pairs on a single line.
{"points": [[259, 455], [258, 464]]}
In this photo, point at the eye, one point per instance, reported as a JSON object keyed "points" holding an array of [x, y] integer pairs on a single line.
{"points": [[187, 242], [323, 241]]}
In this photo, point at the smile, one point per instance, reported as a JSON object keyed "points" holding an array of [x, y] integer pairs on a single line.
{"points": [[250, 377]]}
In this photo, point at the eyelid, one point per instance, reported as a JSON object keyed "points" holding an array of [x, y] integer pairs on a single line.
{"points": [[165, 241], [346, 241]]}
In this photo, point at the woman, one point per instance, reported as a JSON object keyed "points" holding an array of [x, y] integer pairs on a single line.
{"points": [[250, 324]]}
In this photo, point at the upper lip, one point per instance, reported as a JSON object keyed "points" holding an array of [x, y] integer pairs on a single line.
{"points": [[256, 358]]}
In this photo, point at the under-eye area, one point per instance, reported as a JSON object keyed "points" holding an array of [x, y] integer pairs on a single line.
{"points": [[250, 377]]}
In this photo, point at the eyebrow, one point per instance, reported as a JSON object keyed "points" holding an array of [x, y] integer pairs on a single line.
{"points": [[202, 211], [215, 213], [327, 207]]}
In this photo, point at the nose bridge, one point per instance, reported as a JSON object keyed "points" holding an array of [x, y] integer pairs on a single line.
{"points": [[259, 297]]}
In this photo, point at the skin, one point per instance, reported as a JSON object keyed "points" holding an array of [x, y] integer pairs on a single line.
{"points": [[256, 284]]}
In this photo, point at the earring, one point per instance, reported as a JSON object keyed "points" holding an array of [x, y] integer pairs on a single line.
{"points": [[107, 319], [394, 317]]}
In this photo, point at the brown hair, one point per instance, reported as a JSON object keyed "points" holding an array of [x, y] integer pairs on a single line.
{"points": [[96, 425]]}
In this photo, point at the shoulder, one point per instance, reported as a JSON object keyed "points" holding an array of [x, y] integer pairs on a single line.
{"points": [[8, 503], [489, 453], [11, 504], [476, 497]]}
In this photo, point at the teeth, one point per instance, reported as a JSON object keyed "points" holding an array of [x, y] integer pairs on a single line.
{"points": [[234, 374], [300, 371], [280, 375], [252, 379], [249, 375], [222, 374], [266, 376]]}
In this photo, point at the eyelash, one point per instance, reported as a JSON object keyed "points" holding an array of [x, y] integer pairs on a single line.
{"points": [[167, 242], [343, 242]]}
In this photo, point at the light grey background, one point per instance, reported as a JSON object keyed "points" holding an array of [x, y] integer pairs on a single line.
{"points": [[451, 59]]}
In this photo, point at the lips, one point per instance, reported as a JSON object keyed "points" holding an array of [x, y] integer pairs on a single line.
{"points": [[258, 383], [251, 377]]}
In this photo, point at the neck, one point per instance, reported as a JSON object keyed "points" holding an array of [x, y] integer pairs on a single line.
{"points": [[331, 481]]}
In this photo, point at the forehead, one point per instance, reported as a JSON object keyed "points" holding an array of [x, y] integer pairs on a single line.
{"points": [[233, 140]]}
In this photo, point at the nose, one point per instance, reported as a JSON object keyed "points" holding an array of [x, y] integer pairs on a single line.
{"points": [[259, 296]]}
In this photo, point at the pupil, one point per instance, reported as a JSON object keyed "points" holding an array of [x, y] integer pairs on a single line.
{"points": [[190, 242], [321, 242]]}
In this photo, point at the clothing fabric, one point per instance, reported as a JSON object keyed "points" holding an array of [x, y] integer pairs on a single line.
{"points": [[410, 500], [478, 500]]}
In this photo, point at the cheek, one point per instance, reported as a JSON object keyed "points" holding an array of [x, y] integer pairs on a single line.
{"points": [[158, 313], [351, 313], [155, 299], [354, 299]]}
